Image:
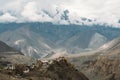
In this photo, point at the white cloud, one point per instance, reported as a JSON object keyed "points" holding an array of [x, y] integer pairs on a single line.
{"points": [[7, 18], [32, 13], [104, 11]]}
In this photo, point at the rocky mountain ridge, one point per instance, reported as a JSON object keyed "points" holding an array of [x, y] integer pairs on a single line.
{"points": [[103, 65]]}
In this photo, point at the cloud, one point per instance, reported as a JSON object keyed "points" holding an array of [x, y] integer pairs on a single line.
{"points": [[7, 18], [31, 12], [99, 11]]}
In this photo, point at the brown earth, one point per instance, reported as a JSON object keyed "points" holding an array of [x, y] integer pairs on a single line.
{"points": [[58, 69]]}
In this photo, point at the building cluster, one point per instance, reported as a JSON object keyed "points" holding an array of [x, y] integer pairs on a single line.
{"points": [[21, 69]]}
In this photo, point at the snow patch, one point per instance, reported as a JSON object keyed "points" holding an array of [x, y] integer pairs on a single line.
{"points": [[19, 41]]}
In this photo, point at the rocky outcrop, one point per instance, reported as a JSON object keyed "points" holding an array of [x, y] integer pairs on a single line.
{"points": [[104, 68], [8, 77], [57, 69]]}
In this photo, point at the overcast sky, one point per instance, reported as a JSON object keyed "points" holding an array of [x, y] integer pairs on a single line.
{"points": [[100, 11]]}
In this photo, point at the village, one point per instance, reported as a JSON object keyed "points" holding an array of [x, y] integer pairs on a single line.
{"points": [[39, 67]]}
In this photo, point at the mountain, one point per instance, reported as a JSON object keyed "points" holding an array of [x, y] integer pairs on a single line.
{"points": [[11, 55], [26, 41], [43, 39], [112, 48], [97, 40], [106, 66], [6, 50], [103, 65], [111, 45]]}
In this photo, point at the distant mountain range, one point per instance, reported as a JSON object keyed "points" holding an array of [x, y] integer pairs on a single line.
{"points": [[45, 39]]}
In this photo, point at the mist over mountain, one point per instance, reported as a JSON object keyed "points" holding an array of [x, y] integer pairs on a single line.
{"points": [[43, 39], [61, 12]]}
